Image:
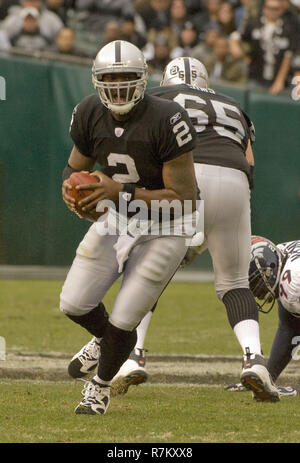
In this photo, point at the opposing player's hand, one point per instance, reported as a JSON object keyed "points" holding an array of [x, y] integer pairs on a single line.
{"points": [[106, 189], [69, 201]]}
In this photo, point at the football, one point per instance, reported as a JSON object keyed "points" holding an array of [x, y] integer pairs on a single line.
{"points": [[83, 178]]}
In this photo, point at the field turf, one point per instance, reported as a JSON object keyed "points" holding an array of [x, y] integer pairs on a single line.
{"points": [[189, 320]]}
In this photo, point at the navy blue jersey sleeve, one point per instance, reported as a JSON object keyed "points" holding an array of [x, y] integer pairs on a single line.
{"points": [[177, 134]]}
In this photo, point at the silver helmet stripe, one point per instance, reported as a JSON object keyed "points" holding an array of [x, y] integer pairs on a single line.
{"points": [[117, 51], [187, 71]]}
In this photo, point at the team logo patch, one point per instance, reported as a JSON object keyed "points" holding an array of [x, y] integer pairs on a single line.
{"points": [[175, 118], [119, 131]]}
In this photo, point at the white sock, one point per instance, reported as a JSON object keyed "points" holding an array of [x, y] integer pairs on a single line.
{"points": [[247, 333], [142, 330], [99, 380]]}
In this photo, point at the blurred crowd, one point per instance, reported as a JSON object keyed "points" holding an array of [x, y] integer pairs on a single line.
{"points": [[253, 42]]}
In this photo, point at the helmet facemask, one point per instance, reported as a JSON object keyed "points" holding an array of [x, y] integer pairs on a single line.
{"points": [[264, 272], [120, 97], [260, 286]]}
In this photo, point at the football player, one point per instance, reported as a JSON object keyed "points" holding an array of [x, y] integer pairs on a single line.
{"points": [[144, 147], [274, 275], [224, 166]]}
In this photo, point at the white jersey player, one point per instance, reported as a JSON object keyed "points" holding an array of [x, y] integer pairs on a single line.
{"points": [[275, 276]]}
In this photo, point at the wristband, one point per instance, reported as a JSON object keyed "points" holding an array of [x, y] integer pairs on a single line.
{"points": [[128, 192], [67, 172]]}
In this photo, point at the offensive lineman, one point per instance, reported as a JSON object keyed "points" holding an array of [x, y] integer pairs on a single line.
{"points": [[224, 165], [143, 144]]}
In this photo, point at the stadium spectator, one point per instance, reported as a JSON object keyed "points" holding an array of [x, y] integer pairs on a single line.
{"points": [[240, 12], [194, 6], [5, 6], [156, 13], [272, 40], [58, 7], [188, 40], [162, 30], [221, 65], [291, 13], [205, 47], [30, 37], [295, 81], [208, 19], [4, 42], [161, 57], [49, 23], [65, 43], [178, 16], [99, 12], [111, 31], [130, 33], [226, 19]]}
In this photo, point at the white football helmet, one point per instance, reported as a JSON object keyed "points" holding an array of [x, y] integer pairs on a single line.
{"points": [[118, 57], [185, 70]]}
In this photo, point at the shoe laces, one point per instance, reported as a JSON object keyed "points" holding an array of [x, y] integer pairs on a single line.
{"points": [[91, 350], [94, 393]]}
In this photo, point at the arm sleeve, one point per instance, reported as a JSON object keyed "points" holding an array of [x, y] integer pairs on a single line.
{"points": [[79, 131], [282, 347], [251, 128], [177, 135]]}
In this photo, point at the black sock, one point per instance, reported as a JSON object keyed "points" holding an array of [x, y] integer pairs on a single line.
{"points": [[240, 305], [94, 321], [116, 346]]}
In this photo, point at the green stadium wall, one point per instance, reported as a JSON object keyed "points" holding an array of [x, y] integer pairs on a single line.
{"points": [[35, 226]]}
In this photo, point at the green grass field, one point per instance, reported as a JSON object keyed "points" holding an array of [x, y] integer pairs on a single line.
{"points": [[189, 320]]}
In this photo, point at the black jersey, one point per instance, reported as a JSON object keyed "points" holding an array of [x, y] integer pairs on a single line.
{"points": [[223, 129], [133, 151]]}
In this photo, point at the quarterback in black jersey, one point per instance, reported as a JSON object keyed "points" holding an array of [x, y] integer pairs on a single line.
{"points": [[223, 161], [144, 147]]}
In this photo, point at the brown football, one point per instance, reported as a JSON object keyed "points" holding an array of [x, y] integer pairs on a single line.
{"points": [[83, 178]]}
